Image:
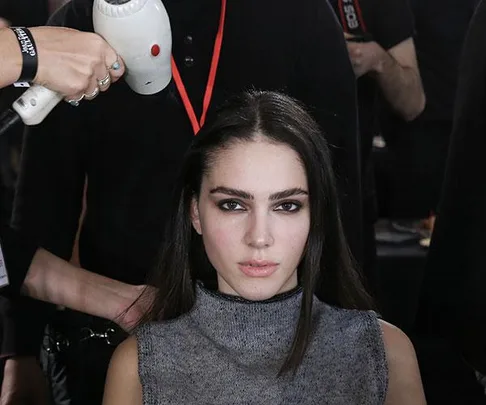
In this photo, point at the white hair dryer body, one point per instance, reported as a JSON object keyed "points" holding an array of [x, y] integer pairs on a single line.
{"points": [[139, 30]]}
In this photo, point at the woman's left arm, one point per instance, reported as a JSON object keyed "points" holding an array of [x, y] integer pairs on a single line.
{"points": [[404, 382], [123, 385]]}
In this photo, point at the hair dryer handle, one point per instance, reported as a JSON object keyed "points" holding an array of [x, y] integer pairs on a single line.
{"points": [[35, 104]]}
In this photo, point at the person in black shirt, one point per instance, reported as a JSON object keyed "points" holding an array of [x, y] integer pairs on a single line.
{"points": [[23, 264], [440, 28], [129, 146], [453, 302], [382, 51]]}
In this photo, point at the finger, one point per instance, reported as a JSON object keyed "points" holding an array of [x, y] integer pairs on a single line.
{"points": [[118, 73], [92, 92], [115, 65], [4, 23], [348, 35], [104, 82], [103, 78], [355, 53], [75, 100], [353, 46]]}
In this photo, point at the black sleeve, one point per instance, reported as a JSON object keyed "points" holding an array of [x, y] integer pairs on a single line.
{"points": [[20, 331], [325, 82], [388, 21], [18, 253], [49, 197]]}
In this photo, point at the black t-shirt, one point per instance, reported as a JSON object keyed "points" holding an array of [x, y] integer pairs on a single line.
{"points": [[440, 26], [130, 146], [389, 22]]}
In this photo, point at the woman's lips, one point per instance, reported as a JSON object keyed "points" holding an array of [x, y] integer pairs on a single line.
{"points": [[258, 268]]}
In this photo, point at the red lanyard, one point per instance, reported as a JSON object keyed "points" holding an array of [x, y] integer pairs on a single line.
{"points": [[197, 124]]}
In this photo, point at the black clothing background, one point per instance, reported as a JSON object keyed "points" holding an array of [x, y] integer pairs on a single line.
{"points": [[441, 26], [454, 296], [418, 150], [130, 146], [28, 13], [18, 253], [416, 183]]}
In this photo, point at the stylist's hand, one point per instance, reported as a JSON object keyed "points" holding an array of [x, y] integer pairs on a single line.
{"points": [[74, 63], [23, 383], [366, 57]]}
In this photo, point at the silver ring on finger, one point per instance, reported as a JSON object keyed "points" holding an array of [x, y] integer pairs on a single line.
{"points": [[75, 102], [115, 65], [105, 81], [93, 94]]}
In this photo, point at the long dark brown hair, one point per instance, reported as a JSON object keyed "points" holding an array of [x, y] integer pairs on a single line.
{"points": [[326, 270]]}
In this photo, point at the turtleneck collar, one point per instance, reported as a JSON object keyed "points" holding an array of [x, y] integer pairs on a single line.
{"points": [[236, 298], [253, 329]]}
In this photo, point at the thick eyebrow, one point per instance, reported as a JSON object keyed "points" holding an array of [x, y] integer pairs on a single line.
{"points": [[247, 196], [233, 192], [288, 193]]}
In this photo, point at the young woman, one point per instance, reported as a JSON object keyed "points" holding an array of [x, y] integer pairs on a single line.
{"points": [[258, 299]]}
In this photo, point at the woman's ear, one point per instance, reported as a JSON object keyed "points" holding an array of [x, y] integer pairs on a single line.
{"points": [[196, 221]]}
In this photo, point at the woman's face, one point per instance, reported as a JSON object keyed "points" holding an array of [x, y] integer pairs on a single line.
{"points": [[253, 214]]}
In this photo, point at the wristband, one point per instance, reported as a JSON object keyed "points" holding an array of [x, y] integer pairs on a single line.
{"points": [[29, 54]]}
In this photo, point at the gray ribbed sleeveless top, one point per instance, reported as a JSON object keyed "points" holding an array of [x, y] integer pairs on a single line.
{"points": [[228, 350]]}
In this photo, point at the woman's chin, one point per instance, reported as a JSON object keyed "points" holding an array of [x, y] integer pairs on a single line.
{"points": [[260, 291]]}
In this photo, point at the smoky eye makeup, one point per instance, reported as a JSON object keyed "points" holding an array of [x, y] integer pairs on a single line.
{"points": [[230, 205], [289, 206]]}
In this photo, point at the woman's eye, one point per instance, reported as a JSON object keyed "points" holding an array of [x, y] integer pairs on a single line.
{"points": [[288, 206], [230, 206]]}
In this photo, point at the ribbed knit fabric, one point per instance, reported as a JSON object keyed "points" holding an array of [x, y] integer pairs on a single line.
{"points": [[229, 350]]}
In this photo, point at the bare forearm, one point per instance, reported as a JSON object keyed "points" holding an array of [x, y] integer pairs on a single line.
{"points": [[401, 87], [54, 280], [10, 58]]}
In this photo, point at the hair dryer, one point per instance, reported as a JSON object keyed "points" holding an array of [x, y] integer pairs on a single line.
{"points": [[138, 30]]}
